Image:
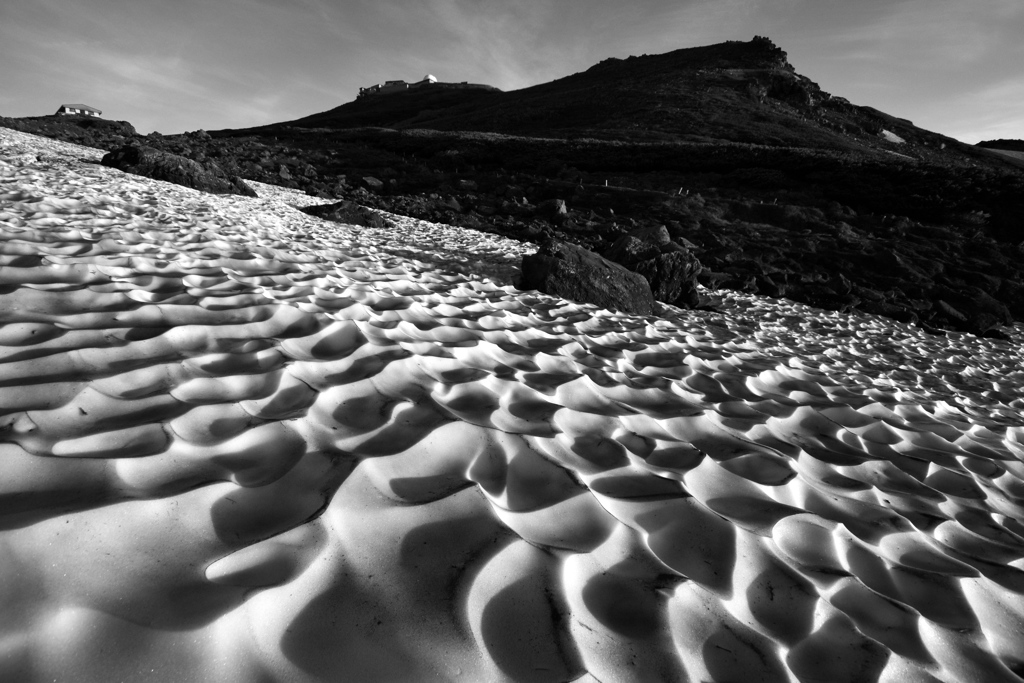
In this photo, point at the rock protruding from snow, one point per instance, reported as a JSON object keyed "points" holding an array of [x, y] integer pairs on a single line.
{"points": [[575, 273], [349, 213], [670, 268], [153, 163]]}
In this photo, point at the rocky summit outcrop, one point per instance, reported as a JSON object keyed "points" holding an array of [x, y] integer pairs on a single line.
{"points": [[670, 268], [153, 163], [572, 272]]}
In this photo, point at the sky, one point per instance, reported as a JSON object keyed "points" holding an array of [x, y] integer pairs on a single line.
{"points": [[950, 66]]}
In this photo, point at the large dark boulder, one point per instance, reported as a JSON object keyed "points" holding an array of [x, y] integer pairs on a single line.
{"points": [[349, 213], [572, 272], [673, 278], [153, 163], [670, 268]]}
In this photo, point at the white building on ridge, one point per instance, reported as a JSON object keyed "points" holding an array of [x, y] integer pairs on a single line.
{"points": [[79, 109]]}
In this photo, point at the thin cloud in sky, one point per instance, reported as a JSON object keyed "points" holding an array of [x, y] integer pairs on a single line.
{"points": [[507, 44], [500, 39]]}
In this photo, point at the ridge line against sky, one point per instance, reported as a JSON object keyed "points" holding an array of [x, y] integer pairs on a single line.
{"points": [[947, 65]]}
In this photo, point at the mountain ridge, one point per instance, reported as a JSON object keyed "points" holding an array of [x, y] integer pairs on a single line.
{"points": [[733, 91]]}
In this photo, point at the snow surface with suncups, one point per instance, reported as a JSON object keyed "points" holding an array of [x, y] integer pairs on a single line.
{"points": [[239, 443]]}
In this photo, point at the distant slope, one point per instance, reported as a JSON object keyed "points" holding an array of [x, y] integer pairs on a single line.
{"points": [[1010, 154]]}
